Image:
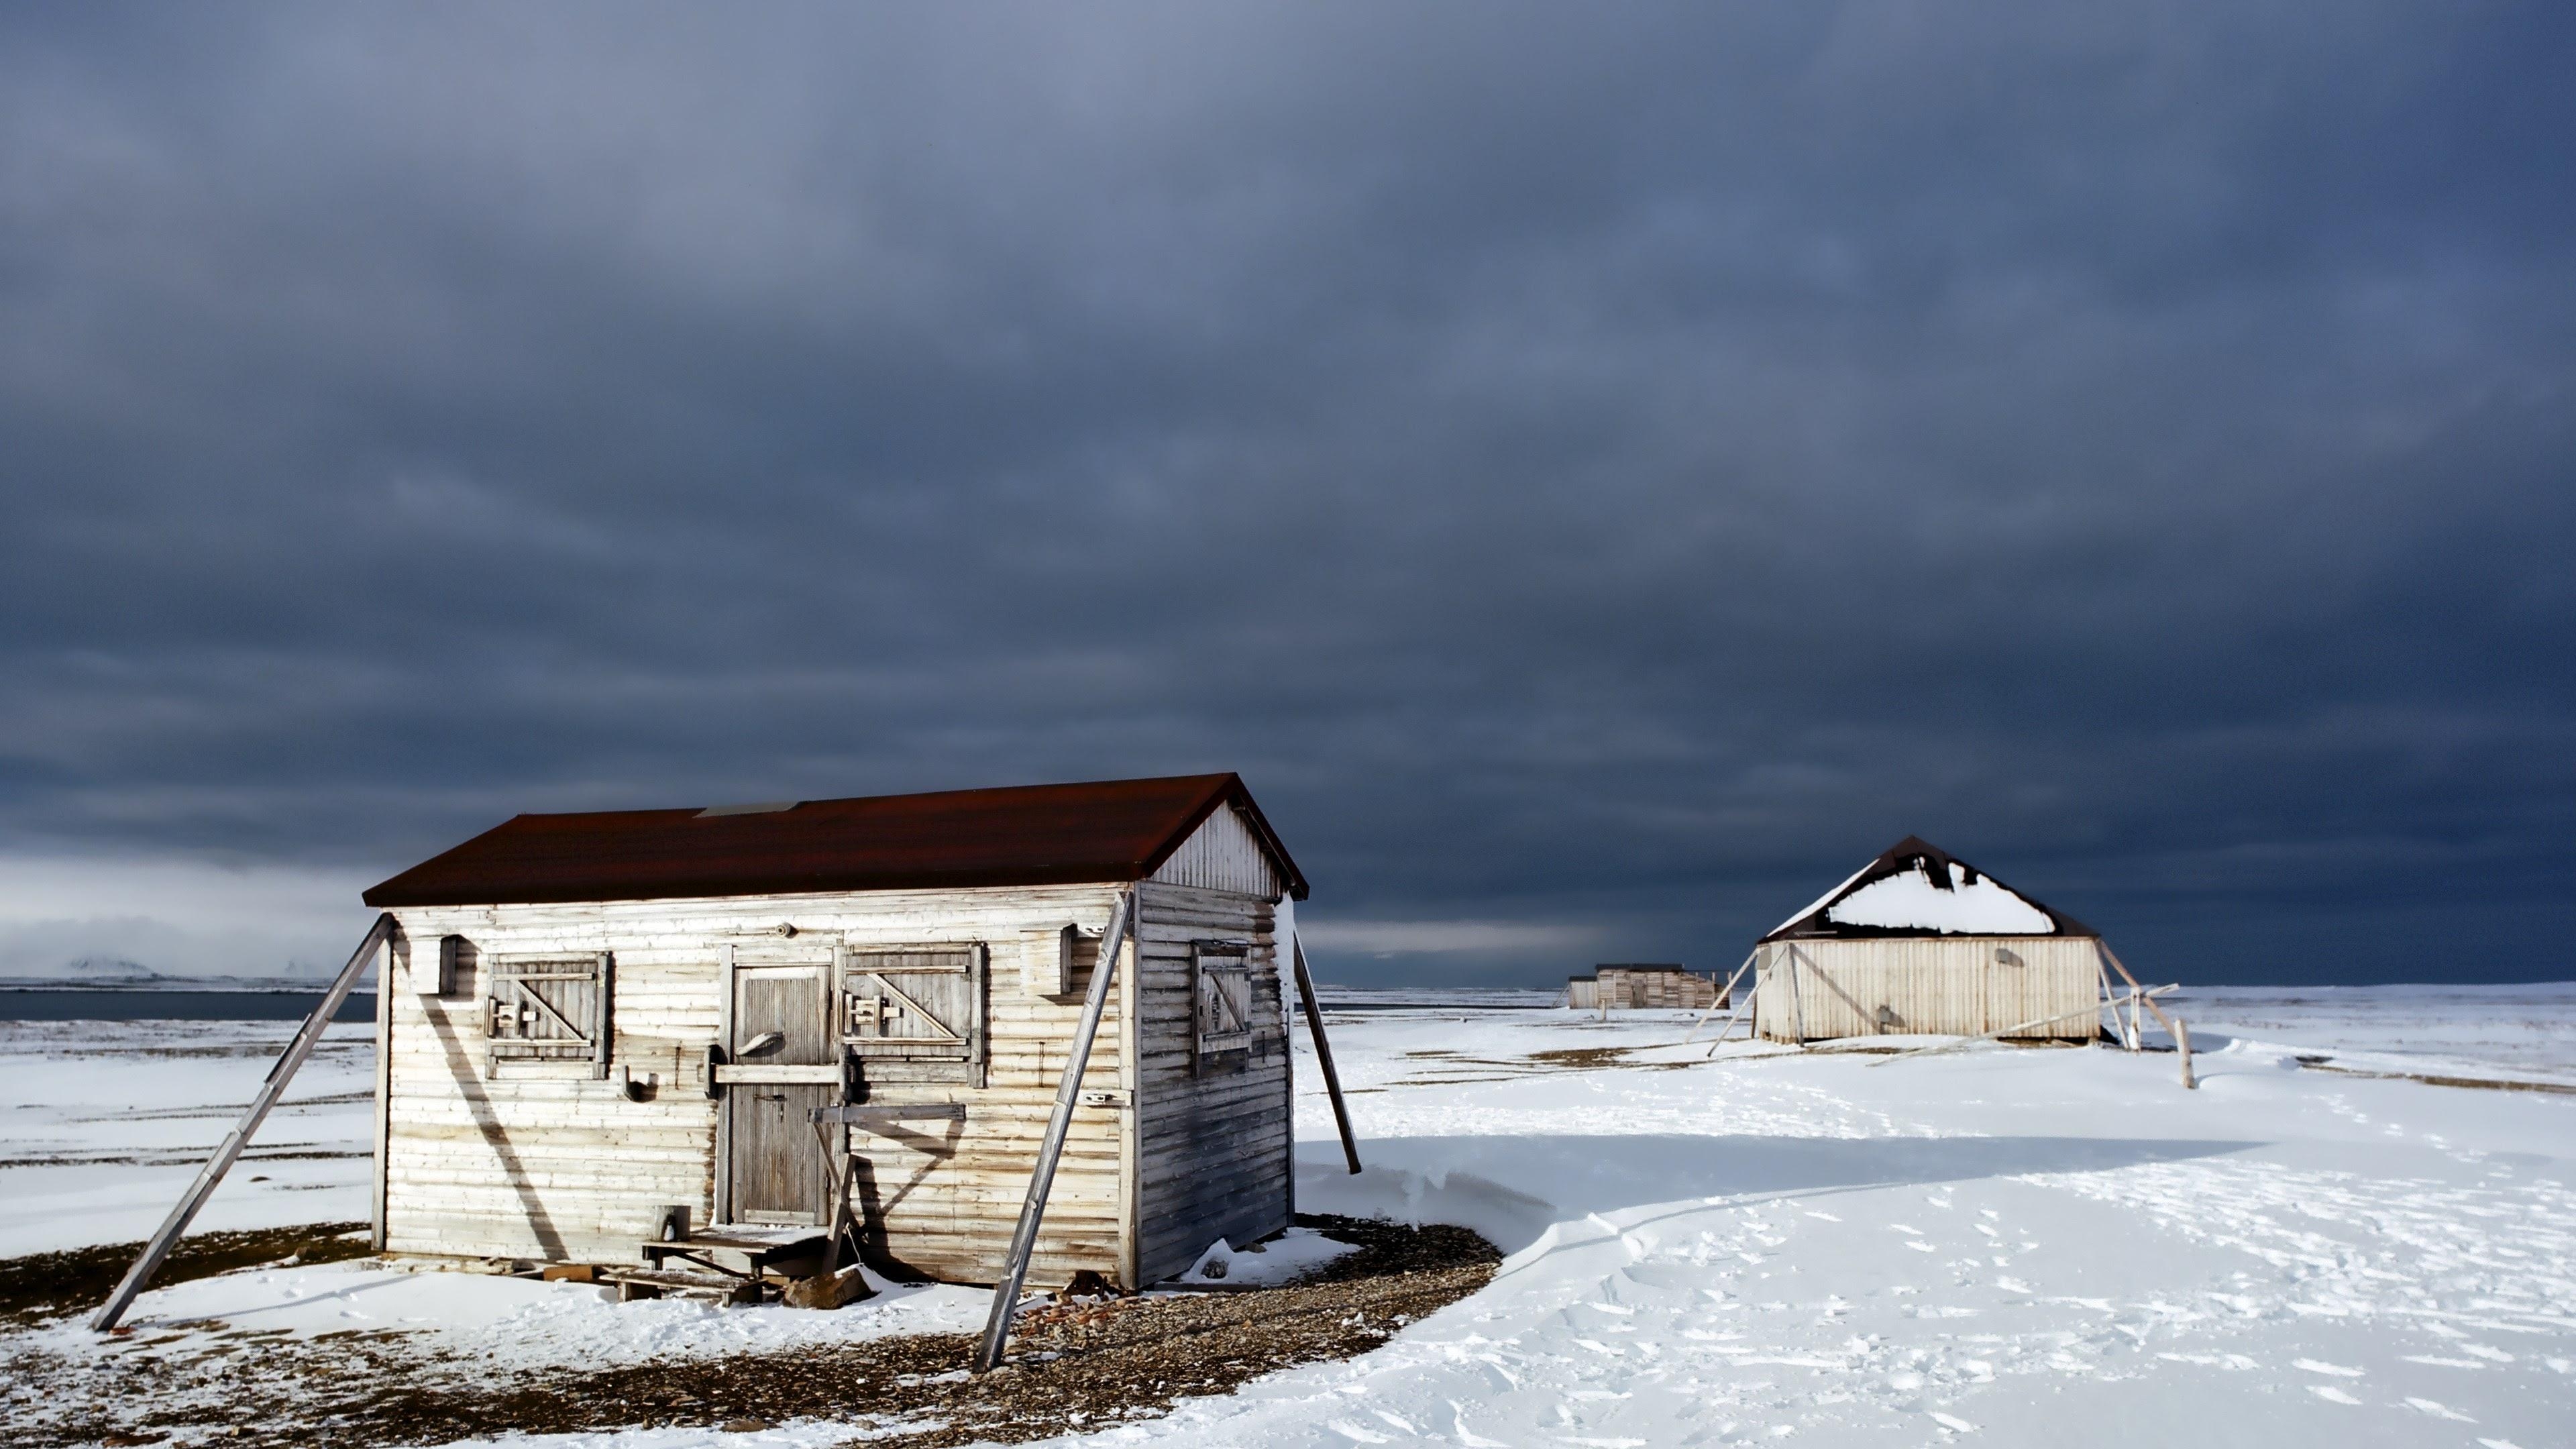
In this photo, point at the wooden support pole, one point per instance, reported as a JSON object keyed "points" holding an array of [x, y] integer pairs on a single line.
{"points": [[1024, 1238], [1324, 1056], [157, 1251], [1726, 1028], [2150, 998], [2182, 1045], [1725, 997]]}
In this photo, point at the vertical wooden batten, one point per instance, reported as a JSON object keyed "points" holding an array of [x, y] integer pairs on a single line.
{"points": [[722, 1208], [1131, 1220], [376, 1194]]}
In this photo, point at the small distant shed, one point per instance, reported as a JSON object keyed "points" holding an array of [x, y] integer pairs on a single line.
{"points": [[1920, 941], [593, 1019], [1643, 984]]}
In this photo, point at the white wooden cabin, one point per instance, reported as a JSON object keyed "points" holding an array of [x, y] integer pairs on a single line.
{"points": [[1918, 941], [592, 1019]]}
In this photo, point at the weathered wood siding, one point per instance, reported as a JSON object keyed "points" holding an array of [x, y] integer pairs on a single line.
{"points": [[1223, 855], [541, 1161], [1949, 985], [1214, 1133], [1668, 990]]}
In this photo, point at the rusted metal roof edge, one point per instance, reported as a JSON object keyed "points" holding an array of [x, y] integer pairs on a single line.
{"points": [[387, 896], [409, 889]]}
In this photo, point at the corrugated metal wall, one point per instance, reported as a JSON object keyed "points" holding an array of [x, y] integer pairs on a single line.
{"points": [[1223, 855], [1952, 985]]}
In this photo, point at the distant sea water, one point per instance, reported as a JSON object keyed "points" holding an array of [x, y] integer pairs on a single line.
{"points": [[92, 1003]]}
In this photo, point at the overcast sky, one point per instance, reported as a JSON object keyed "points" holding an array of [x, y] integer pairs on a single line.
{"points": [[1600, 475]]}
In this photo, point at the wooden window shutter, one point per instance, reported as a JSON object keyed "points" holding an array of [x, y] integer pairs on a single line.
{"points": [[552, 1009], [1221, 997], [916, 1013]]}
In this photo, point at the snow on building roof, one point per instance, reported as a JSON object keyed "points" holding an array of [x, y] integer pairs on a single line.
{"points": [[1919, 889]]}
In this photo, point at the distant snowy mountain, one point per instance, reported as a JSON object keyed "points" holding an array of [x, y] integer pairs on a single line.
{"points": [[106, 969], [117, 973]]}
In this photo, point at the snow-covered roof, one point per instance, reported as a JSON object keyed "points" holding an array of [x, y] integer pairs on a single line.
{"points": [[1919, 889]]}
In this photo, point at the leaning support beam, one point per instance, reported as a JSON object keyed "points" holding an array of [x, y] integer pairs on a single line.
{"points": [[157, 1251], [1324, 1055], [1725, 1029], [1024, 1239], [1736, 1013], [1725, 997], [2134, 988], [2181, 1034]]}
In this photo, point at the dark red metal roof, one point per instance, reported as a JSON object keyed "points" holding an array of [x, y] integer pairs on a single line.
{"points": [[1108, 830]]}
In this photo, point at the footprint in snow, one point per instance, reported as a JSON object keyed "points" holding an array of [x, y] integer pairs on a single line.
{"points": [[1953, 1423], [2336, 1369], [2439, 1411], [1470, 1437], [2331, 1394]]}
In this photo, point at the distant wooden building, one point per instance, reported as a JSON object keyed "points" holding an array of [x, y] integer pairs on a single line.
{"points": [[1919, 941], [593, 1018], [1641, 984]]}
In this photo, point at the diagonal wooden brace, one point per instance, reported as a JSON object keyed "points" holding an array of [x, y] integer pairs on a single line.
{"points": [[157, 1251], [1024, 1238]]}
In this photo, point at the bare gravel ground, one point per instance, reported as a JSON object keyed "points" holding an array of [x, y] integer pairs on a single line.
{"points": [[1073, 1364]]}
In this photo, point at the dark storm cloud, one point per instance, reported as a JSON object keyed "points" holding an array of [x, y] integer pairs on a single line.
{"points": [[1613, 474]]}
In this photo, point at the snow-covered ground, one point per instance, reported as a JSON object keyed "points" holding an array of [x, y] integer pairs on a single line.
{"points": [[2526, 1032], [103, 1124], [2001, 1246]]}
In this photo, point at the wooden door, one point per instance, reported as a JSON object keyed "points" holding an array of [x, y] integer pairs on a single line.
{"points": [[782, 1064]]}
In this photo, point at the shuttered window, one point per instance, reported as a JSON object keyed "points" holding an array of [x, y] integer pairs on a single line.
{"points": [[1221, 973], [550, 1009], [915, 1013]]}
